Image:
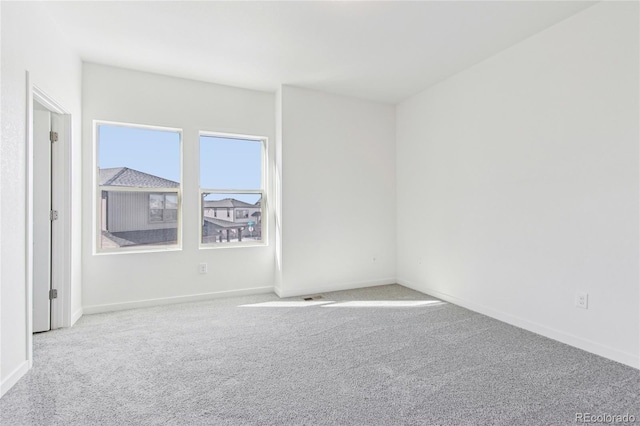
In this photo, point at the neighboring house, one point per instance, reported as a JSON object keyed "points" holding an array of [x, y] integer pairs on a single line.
{"points": [[232, 210], [137, 217], [231, 219]]}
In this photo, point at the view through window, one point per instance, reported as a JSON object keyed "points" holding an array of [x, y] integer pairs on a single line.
{"points": [[138, 186], [231, 189]]}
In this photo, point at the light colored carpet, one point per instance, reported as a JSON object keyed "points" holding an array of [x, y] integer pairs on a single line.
{"points": [[216, 363]]}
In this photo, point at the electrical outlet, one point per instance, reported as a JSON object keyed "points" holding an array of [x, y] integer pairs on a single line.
{"points": [[202, 268], [582, 300]]}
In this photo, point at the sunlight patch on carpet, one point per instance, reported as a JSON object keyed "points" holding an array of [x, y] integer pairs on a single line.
{"points": [[384, 304], [286, 304]]}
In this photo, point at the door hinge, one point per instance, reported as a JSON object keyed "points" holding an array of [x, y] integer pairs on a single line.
{"points": [[53, 294], [53, 136], [53, 215]]}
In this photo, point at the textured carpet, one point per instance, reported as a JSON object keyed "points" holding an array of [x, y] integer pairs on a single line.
{"points": [[219, 363]]}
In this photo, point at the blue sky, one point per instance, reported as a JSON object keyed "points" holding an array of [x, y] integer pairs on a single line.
{"points": [[150, 151], [224, 163], [230, 163]]}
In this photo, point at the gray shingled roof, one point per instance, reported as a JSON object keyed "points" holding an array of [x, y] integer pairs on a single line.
{"points": [[228, 203], [124, 176]]}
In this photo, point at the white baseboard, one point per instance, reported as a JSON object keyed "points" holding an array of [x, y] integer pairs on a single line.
{"points": [[110, 307], [325, 288], [278, 291], [76, 316], [561, 336], [13, 377]]}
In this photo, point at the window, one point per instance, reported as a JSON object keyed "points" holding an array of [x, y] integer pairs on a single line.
{"points": [[232, 196], [163, 208], [138, 182]]}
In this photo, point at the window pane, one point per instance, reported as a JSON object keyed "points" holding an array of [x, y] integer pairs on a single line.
{"points": [[230, 163], [170, 215], [148, 151], [127, 221], [155, 215], [231, 218], [156, 201], [140, 160], [171, 202]]}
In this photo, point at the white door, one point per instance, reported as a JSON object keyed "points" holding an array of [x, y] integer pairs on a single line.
{"points": [[41, 218]]}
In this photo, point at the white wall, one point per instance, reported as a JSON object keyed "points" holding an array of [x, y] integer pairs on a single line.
{"points": [[29, 42], [338, 192], [115, 281], [523, 173], [277, 195]]}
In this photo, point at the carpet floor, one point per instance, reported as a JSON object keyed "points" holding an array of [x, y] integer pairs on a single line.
{"points": [[352, 362]]}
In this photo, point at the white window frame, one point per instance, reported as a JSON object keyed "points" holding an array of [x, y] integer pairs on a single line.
{"points": [[264, 241], [97, 250]]}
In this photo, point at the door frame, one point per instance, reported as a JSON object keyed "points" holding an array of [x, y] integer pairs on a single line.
{"points": [[61, 193]]}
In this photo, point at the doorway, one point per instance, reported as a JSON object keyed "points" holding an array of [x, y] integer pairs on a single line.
{"points": [[48, 230]]}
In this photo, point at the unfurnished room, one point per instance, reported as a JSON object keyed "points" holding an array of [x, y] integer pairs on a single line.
{"points": [[319, 213]]}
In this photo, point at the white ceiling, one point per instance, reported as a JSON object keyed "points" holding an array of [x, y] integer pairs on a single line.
{"points": [[384, 51]]}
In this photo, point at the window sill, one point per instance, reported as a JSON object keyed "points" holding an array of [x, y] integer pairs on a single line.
{"points": [[101, 252], [218, 246]]}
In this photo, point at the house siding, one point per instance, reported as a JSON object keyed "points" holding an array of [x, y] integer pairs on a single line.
{"points": [[129, 211], [222, 214]]}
